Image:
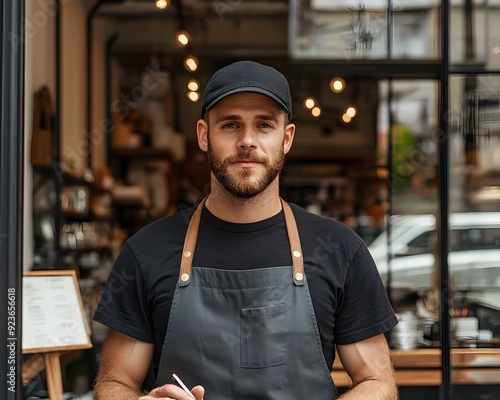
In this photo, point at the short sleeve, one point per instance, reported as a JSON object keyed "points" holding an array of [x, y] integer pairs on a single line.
{"points": [[365, 310], [124, 303]]}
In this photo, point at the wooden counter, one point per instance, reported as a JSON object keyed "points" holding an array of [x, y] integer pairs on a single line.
{"points": [[422, 367]]}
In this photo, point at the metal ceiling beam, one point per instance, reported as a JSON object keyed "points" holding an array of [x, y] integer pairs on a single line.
{"points": [[382, 69], [199, 9]]}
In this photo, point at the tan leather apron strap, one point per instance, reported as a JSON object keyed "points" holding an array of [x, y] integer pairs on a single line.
{"points": [[295, 247], [192, 235], [189, 245]]}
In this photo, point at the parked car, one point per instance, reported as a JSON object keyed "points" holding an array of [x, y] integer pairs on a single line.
{"points": [[474, 253]]}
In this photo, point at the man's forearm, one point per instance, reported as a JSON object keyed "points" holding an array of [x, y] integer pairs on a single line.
{"points": [[369, 366], [373, 390], [109, 390]]}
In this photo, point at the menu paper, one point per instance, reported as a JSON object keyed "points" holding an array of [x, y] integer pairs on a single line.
{"points": [[53, 317]]}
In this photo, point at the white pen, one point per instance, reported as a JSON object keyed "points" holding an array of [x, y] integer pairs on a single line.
{"points": [[181, 384]]}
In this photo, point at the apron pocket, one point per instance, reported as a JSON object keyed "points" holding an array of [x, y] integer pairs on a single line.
{"points": [[264, 333]]}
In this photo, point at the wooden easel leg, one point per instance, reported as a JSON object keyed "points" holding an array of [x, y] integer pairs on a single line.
{"points": [[54, 376]]}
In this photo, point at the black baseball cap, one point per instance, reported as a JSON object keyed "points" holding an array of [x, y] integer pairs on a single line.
{"points": [[247, 76]]}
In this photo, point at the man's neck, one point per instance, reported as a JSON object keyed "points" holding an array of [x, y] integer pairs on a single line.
{"points": [[230, 208]]}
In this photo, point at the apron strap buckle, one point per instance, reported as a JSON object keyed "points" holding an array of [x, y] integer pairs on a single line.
{"points": [[189, 246], [295, 247]]}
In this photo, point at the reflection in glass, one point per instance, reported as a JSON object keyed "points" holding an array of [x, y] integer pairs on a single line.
{"points": [[371, 29], [475, 142], [475, 179], [405, 251], [416, 30], [469, 30], [413, 124]]}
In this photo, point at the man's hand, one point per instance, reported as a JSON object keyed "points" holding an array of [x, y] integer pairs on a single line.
{"points": [[174, 392]]}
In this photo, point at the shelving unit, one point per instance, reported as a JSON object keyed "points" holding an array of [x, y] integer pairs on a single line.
{"points": [[66, 234], [143, 151], [147, 181]]}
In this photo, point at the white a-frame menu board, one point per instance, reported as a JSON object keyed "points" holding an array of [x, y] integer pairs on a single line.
{"points": [[53, 315]]}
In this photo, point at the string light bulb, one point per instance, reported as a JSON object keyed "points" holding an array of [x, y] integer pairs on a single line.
{"points": [[351, 111], [193, 96], [316, 112], [193, 85], [162, 4], [309, 103], [182, 38], [337, 85], [191, 63], [346, 118]]}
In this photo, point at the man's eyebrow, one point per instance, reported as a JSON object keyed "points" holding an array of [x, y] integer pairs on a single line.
{"points": [[223, 118], [265, 117]]}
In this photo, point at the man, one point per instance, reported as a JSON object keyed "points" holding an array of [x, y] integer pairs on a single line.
{"points": [[223, 295]]}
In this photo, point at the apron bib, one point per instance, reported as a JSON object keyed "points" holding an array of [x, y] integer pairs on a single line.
{"points": [[245, 335]]}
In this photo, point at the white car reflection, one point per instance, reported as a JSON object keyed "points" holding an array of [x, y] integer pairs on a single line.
{"points": [[474, 257]]}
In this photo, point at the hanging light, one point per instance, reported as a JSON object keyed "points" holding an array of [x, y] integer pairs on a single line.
{"points": [[162, 4], [309, 103], [316, 112], [351, 111], [191, 63], [337, 85], [193, 96], [346, 118], [193, 85], [182, 38]]}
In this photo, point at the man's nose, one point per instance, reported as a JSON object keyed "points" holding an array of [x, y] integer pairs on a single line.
{"points": [[248, 138]]}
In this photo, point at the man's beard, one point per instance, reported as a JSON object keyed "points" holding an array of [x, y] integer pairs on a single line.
{"points": [[243, 185]]}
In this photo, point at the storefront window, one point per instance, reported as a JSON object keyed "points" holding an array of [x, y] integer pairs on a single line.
{"points": [[405, 250], [372, 29], [475, 232]]}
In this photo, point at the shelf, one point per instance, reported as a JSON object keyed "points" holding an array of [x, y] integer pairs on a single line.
{"points": [[70, 179], [75, 216], [319, 155], [142, 152], [133, 202], [81, 217], [86, 249]]}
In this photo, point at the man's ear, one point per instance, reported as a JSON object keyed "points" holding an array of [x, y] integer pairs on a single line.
{"points": [[202, 133], [288, 139]]}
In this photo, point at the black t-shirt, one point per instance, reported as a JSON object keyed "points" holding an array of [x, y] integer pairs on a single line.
{"points": [[349, 299]]}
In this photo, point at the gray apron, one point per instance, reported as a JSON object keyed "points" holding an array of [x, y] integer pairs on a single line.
{"points": [[245, 334]]}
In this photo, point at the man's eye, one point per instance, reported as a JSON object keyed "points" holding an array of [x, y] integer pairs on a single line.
{"points": [[265, 125], [230, 125]]}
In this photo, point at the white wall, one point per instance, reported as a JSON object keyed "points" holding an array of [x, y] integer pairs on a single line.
{"points": [[40, 71], [100, 124], [73, 84]]}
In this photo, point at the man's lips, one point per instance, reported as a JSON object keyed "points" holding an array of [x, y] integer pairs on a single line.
{"points": [[246, 163]]}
